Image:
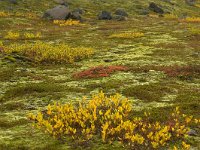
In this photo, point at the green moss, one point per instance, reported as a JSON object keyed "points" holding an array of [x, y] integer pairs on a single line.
{"points": [[31, 88], [6, 73], [151, 92]]}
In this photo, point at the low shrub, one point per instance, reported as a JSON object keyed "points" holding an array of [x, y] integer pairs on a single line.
{"points": [[4, 14], [171, 16], [127, 35], [69, 22], [100, 71], [110, 118], [12, 36], [48, 53], [16, 35], [192, 19]]}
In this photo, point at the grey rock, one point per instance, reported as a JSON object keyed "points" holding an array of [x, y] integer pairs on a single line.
{"points": [[59, 12], [76, 16], [155, 8], [105, 15]]}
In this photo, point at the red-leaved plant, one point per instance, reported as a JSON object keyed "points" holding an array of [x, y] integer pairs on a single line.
{"points": [[99, 71]]}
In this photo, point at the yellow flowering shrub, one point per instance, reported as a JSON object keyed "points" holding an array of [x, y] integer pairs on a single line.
{"points": [[28, 15], [192, 19], [4, 14], [45, 52], [12, 35], [194, 31], [69, 22], [16, 35], [32, 35], [170, 16], [110, 118], [127, 35]]}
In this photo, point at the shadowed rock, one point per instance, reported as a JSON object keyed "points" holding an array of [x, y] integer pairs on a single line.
{"points": [[155, 8], [105, 15]]}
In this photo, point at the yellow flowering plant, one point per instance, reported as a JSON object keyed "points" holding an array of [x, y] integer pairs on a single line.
{"points": [[12, 35], [16, 35], [68, 22], [127, 35], [48, 53], [4, 14], [110, 118], [192, 19]]}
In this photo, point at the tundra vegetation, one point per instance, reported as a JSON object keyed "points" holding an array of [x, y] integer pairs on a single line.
{"points": [[110, 75]]}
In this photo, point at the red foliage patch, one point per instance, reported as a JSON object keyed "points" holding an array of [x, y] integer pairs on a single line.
{"points": [[175, 71], [99, 71]]}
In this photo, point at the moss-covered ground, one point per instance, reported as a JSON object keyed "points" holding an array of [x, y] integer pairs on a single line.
{"points": [[156, 80]]}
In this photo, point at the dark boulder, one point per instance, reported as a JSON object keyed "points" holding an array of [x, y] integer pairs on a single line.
{"points": [[59, 12], [121, 12], [105, 15], [155, 8], [75, 15]]}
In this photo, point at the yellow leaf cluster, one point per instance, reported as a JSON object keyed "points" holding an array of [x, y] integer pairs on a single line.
{"points": [[16, 35], [45, 52], [26, 15], [192, 19], [127, 35], [12, 35], [68, 22], [32, 35], [171, 16], [110, 118], [4, 14]]}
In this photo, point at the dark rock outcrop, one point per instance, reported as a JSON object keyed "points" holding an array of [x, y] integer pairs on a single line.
{"points": [[105, 15], [155, 8], [75, 15]]}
